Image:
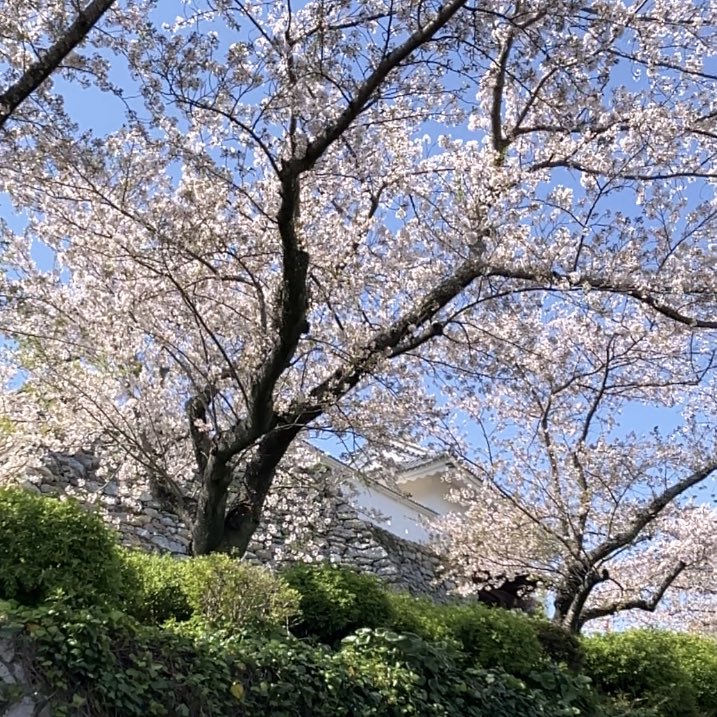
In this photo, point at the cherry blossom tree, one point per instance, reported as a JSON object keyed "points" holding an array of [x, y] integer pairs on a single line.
{"points": [[604, 516], [317, 215], [36, 40]]}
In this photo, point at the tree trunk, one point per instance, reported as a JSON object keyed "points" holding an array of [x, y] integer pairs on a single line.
{"points": [[217, 529], [573, 594], [208, 525]]}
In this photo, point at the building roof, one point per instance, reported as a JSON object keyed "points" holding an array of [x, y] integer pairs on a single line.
{"points": [[393, 467]]}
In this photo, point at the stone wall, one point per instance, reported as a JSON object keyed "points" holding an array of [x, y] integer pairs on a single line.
{"points": [[314, 523], [17, 698]]}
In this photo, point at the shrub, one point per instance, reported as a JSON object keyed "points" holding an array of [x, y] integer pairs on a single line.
{"points": [[335, 601], [435, 682], [422, 617], [619, 707], [495, 638], [697, 656], [575, 691], [230, 594], [96, 662], [642, 667], [559, 645], [53, 547], [489, 637], [217, 590], [157, 591]]}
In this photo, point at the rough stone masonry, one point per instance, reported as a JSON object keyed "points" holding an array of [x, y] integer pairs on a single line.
{"points": [[336, 533]]}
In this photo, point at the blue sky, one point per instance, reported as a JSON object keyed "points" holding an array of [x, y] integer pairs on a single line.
{"points": [[103, 114]]}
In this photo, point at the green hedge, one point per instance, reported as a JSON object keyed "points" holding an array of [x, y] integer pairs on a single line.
{"points": [[156, 591], [208, 636], [698, 657], [673, 673], [51, 547], [102, 663], [335, 601], [99, 663], [488, 637], [55, 549], [422, 617], [215, 590], [496, 638]]}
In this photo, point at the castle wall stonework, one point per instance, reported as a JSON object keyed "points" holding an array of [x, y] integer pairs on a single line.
{"points": [[335, 533], [17, 696]]}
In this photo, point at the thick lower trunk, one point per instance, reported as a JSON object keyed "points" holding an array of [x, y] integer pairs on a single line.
{"points": [[208, 525], [569, 615], [572, 596], [565, 596], [218, 529], [240, 525]]}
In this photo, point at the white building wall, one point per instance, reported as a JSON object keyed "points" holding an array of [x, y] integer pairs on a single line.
{"points": [[402, 519], [430, 492]]}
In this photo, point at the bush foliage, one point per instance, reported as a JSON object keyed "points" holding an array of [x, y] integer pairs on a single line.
{"points": [[672, 673], [117, 632], [698, 657], [215, 590], [335, 601], [496, 638], [96, 662], [486, 636], [559, 645], [53, 547], [156, 591]]}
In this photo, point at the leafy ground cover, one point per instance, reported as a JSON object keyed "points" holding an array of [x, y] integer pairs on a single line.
{"points": [[106, 631]]}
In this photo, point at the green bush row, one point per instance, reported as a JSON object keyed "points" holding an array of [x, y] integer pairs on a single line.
{"points": [[326, 603], [217, 591], [336, 601], [674, 673], [55, 551], [99, 662]]}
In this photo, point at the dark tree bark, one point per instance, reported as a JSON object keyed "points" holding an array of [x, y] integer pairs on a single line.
{"points": [[263, 434], [571, 597], [649, 605], [509, 594], [52, 58]]}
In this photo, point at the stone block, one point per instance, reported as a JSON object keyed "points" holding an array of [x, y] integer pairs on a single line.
{"points": [[71, 464], [27, 707]]}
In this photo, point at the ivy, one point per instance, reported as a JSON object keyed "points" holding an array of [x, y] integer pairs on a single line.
{"points": [[100, 662]]}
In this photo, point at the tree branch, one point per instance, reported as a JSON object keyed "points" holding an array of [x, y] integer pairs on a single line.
{"points": [[290, 309], [50, 60], [390, 62], [555, 279], [649, 513], [388, 343], [649, 605], [292, 304]]}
